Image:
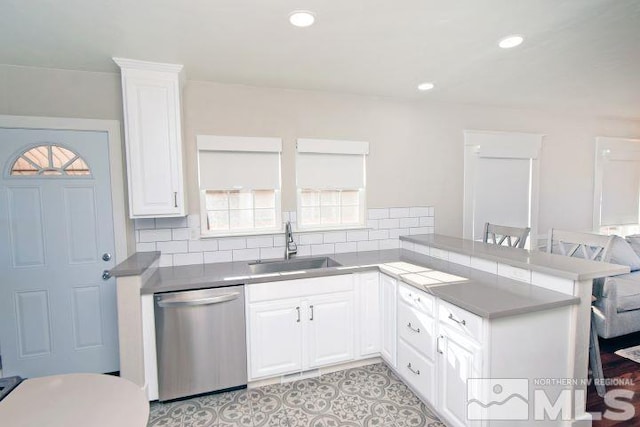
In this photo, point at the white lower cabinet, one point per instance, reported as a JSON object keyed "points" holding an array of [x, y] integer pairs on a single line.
{"points": [[459, 359], [294, 326], [330, 329], [388, 290], [434, 346], [416, 330], [370, 321], [469, 347], [276, 337], [436, 351]]}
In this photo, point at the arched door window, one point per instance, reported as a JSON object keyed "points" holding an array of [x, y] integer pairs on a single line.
{"points": [[49, 159]]}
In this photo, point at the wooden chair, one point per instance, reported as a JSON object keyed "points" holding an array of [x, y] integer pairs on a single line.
{"points": [[593, 247], [500, 235]]}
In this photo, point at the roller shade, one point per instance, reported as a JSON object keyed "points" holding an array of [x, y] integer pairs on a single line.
{"points": [[501, 193], [331, 164], [248, 163], [620, 191]]}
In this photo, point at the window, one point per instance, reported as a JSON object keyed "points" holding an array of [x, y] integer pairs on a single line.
{"points": [[239, 180], [500, 181], [331, 182], [49, 160], [617, 186]]}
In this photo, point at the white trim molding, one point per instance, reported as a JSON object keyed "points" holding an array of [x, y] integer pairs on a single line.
{"points": [[331, 146], [611, 149], [479, 144]]}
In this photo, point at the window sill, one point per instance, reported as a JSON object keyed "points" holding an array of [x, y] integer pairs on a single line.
{"points": [[274, 232], [240, 234], [327, 229]]}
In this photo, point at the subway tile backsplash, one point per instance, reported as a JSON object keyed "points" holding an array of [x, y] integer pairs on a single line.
{"points": [[177, 238]]}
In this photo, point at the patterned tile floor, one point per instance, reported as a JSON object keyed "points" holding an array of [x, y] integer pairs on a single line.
{"points": [[370, 396]]}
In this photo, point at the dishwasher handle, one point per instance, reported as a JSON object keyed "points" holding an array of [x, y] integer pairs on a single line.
{"points": [[181, 302]]}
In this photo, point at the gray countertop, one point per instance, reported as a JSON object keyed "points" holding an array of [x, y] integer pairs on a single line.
{"points": [[484, 294], [135, 265], [542, 262]]}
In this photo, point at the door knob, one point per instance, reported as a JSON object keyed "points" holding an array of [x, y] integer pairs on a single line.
{"points": [[106, 256], [106, 275]]}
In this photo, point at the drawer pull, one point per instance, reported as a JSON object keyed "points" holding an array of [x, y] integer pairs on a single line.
{"points": [[412, 328], [461, 322], [412, 370], [416, 299]]}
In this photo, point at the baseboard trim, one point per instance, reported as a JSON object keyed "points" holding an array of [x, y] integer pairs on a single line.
{"points": [[314, 373]]}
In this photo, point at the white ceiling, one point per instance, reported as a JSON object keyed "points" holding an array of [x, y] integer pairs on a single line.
{"points": [[580, 56]]}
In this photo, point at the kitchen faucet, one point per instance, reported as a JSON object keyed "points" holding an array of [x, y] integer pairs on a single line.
{"points": [[290, 246]]}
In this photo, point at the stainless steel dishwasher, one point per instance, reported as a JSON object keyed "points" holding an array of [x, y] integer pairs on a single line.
{"points": [[201, 341]]}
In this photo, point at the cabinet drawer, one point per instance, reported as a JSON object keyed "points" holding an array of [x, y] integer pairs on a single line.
{"points": [[417, 329], [417, 299], [299, 288], [417, 371], [460, 320]]}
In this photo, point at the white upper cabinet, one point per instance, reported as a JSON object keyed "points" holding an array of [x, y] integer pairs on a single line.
{"points": [[153, 130]]}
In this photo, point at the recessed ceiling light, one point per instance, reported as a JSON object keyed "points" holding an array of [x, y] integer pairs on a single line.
{"points": [[511, 41], [302, 18], [425, 86]]}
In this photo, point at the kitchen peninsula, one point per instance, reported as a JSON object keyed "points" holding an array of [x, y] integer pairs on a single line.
{"points": [[439, 311]]}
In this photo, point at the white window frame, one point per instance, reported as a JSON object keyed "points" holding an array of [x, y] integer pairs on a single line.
{"points": [[239, 144], [329, 146], [621, 148], [500, 145]]}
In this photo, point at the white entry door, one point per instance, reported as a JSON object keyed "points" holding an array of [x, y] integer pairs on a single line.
{"points": [[57, 313]]}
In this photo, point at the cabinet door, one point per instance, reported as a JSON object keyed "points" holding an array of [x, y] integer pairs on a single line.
{"points": [[459, 359], [330, 329], [369, 321], [275, 338], [417, 371], [388, 287], [154, 143]]}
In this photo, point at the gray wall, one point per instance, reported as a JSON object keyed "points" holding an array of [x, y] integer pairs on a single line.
{"points": [[416, 146]]}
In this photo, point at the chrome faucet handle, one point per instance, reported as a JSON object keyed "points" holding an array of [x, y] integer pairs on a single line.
{"points": [[290, 246]]}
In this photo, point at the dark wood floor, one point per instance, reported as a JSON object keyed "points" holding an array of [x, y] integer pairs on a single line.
{"points": [[616, 367]]}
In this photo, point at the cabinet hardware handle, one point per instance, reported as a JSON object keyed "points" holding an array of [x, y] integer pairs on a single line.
{"points": [[417, 299], [412, 370], [175, 199], [438, 344], [461, 322], [412, 328], [311, 307], [298, 310]]}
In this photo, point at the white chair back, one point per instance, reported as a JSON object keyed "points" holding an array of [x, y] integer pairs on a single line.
{"points": [[514, 237], [589, 246]]}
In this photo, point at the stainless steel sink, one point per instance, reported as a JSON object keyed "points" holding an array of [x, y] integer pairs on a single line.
{"points": [[292, 265]]}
